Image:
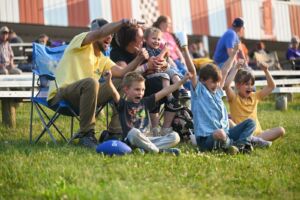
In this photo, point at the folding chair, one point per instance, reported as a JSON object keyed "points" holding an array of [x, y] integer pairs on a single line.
{"points": [[271, 59], [45, 60]]}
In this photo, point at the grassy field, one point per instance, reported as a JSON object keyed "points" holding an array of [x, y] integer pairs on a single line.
{"points": [[47, 171]]}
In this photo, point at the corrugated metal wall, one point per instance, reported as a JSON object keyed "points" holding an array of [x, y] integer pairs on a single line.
{"points": [[251, 15], [181, 16], [136, 11], [74, 8], [164, 7], [12, 7], [121, 9], [233, 10], [31, 11], [264, 19], [295, 19], [216, 17], [267, 19], [281, 19], [56, 12], [199, 14], [99, 9]]}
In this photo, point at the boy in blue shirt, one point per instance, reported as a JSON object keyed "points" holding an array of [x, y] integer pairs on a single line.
{"points": [[211, 124]]}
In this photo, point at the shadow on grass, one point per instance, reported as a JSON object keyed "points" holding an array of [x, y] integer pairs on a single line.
{"points": [[23, 146]]}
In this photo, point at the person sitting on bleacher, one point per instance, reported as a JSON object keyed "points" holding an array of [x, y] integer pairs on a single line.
{"points": [[7, 65], [14, 38], [43, 39], [293, 53]]}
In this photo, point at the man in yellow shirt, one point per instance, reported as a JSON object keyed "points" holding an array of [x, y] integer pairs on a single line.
{"points": [[79, 70]]}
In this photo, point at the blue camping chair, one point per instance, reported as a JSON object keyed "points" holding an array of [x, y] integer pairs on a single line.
{"points": [[45, 60]]}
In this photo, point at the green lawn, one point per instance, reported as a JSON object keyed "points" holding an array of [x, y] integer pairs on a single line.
{"points": [[47, 171]]}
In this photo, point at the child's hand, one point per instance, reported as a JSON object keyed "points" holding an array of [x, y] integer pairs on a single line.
{"points": [[164, 52], [264, 66], [142, 53], [236, 47], [132, 22], [182, 39], [240, 63], [186, 77], [107, 75]]}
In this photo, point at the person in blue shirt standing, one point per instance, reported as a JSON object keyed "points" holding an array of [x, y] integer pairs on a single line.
{"points": [[227, 41]]}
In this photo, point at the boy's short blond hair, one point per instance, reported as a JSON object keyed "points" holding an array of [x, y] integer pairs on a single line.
{"points": [[151, 30], [210, 71], [131, 77], [243, 76]]}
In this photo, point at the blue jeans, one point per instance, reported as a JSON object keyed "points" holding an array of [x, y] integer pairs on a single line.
{"points": [[240, 134]]}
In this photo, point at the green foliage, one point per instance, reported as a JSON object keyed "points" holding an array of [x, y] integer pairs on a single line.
{"points": [[48, 171]]}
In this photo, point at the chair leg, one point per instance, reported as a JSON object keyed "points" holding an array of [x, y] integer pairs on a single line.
{"points": [[45, 126], [51, 122], [30, 128]]}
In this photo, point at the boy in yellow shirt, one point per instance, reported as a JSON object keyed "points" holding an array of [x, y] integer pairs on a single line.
{"points": [[243, 103]]}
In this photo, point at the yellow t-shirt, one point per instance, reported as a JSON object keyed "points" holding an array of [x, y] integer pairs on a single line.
{"points": [[244, 108], [78, 62]]}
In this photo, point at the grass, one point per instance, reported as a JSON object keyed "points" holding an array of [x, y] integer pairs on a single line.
{"points": [[48, 171]]}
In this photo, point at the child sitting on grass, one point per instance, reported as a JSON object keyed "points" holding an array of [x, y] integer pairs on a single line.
{"points": [[134, 114], [211, 124], [153, 37], [243, 102]]}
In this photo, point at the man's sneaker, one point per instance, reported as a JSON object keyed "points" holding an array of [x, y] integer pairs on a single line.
{"points": [[261, 143], [174, 105], [88, 140], [174, 151], [183, 94], [245, 148], [232, 150]]}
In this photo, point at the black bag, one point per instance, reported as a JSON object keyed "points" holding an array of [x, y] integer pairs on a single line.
{"points": [[183, 123]]}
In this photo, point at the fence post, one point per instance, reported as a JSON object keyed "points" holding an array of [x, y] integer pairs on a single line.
{"points": [[9, 112]]}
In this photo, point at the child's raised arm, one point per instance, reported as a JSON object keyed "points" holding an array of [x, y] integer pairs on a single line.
{"points": [[229, 91], [166, 91], [183, 41], [228, 64], [190, 65], [115, 93], [270, 81]]}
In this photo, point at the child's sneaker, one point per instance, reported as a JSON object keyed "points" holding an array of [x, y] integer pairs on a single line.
{"points": [[174, 105], [232, 150], [174, 151], [260, 143], [183, 94], [245, 148]]}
